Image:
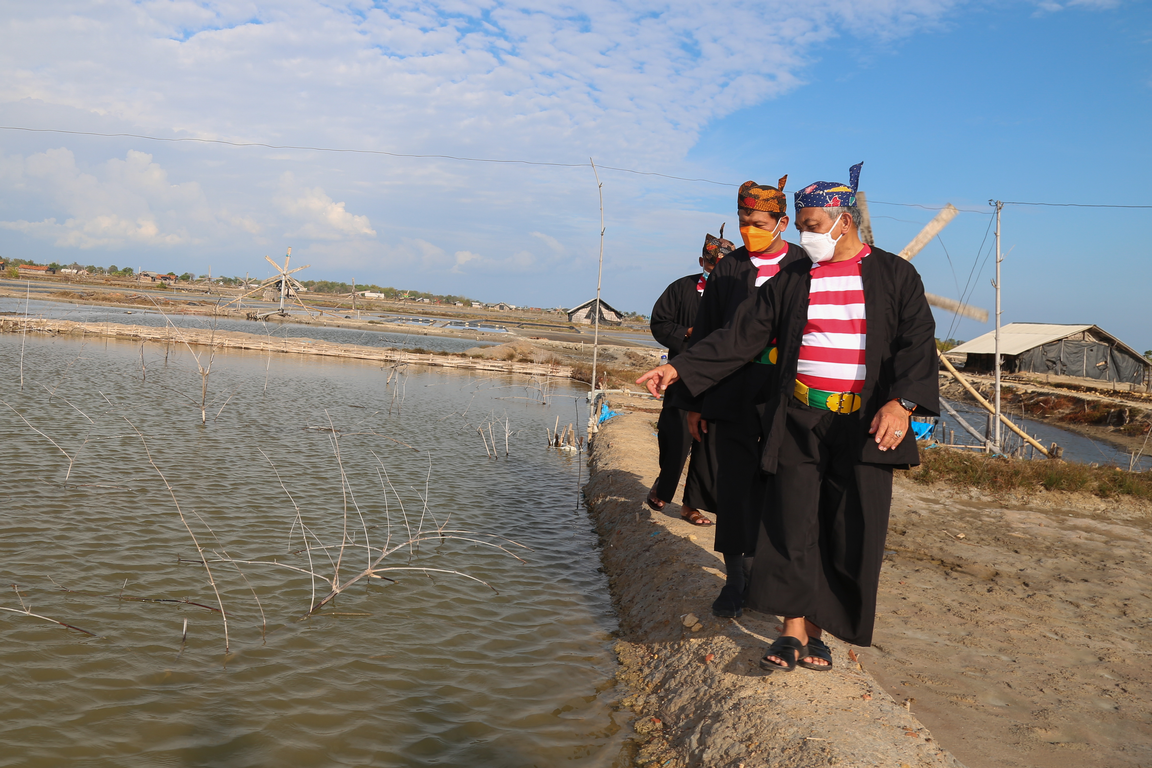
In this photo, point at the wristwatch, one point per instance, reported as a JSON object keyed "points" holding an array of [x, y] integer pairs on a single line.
{"points": [[907, 405]]}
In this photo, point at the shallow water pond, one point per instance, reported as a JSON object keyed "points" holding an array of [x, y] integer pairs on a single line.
{"points": [[276, 329], [304, 469]]}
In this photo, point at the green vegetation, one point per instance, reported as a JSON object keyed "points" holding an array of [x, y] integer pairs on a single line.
{"points": [[1002, 475], [946, 344], [331, 286]]}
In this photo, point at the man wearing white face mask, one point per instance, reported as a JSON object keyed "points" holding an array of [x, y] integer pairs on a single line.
{"points": [[856, 357]]}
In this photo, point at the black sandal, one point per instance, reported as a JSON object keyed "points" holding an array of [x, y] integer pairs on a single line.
{"points": [[817, 649], [654, 501], [785, 647]]}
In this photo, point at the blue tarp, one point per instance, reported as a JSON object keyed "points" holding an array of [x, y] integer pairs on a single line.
{"points": [[923, 429], [605, 414]]}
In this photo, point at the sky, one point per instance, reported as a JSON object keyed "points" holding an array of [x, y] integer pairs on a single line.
{"points": [[945, 101]]}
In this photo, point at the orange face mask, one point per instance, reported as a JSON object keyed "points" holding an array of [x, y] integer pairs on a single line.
{"points": [[758, 240]]}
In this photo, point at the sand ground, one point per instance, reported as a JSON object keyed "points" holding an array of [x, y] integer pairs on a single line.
{"points": [[1011, 632]]}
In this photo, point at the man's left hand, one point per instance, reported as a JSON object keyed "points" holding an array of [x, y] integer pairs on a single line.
{"points": [[890, 425]]}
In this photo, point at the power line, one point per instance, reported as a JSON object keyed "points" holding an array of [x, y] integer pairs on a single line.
{"points": [[344, 150], [496, 161], [929, 207], [1075, 205]]}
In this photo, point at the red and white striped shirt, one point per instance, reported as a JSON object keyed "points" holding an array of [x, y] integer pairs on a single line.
{"points": [[767, 264], [832, 351], [703, 281]]}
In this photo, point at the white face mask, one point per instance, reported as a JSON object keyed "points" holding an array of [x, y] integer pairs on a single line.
{"points": [[819, 245]]}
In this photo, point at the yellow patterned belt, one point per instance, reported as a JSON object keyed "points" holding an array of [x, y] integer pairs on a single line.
{"points": [[767, 356], [838, 402]]}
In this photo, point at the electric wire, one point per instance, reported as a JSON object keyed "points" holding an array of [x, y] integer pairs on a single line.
{"points": [[350, 150], [969, 285], [492, 160]]}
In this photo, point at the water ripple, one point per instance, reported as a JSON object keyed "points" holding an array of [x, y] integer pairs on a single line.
{"points": [[431, 669]]}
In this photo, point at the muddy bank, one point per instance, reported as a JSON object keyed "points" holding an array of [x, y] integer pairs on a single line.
{"points": [[695, 685], [1012, 631]]}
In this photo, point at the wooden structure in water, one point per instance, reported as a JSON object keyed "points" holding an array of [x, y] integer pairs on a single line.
{"points": [[170, 335]]}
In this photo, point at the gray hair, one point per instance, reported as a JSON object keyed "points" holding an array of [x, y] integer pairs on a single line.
{"points": [[847, 210]]}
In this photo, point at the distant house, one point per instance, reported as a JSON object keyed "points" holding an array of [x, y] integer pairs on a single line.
{"points": [[77, 272], [586, 313], [1084, 351], [30, 269], [502, 306]]}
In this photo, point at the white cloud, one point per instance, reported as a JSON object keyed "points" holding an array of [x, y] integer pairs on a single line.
{"points": [[124, 201], [631, 82], [317, 216], [1093, 5], [627, 81]]}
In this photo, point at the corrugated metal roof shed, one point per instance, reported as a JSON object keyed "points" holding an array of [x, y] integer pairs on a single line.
{"points": [[1016, 338]]}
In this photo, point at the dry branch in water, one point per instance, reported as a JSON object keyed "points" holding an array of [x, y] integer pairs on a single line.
{"points": [[423, 529]]}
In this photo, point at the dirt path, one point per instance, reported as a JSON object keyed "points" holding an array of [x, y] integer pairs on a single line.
{"points": [[1012, 632], [699, 695], [1020, 628]]}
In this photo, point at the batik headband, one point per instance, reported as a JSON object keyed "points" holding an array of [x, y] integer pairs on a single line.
{"points": [[716, 247], [757, 197], [831, 194]]}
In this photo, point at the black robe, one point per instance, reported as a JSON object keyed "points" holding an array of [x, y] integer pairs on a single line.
{"points": [[899, 356], [731, 283], [826, 513], [733, 408], [675, 312]]}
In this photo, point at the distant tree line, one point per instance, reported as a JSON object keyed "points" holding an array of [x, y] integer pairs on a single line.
{"points": [[331, 286], [946, 344]]}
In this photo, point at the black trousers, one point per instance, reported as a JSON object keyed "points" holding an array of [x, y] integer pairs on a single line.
{"points": [[676, 443], [740, 485], [824, 527]]}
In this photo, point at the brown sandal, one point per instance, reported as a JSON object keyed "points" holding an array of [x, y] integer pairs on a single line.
{"points": [[694, 516], [653, 500]]}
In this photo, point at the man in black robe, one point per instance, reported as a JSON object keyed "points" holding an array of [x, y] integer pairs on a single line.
{"points": [[729, 414], [673, 318], [818, 560]]}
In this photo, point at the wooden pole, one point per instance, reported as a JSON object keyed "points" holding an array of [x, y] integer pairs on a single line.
{"points": [[934, 227], [966, 310], [971, 430], [599, 276], [988, 406], [999, 258], [864, 226]]}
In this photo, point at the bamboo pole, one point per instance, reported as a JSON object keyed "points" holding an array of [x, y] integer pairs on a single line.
{"points": [[988, 406], [971, 430]]}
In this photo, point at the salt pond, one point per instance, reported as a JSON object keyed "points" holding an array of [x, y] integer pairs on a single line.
{"points": [[432, 669]]}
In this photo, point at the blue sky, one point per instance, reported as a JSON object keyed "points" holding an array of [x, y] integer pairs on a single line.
{"points": [[943, 100]]}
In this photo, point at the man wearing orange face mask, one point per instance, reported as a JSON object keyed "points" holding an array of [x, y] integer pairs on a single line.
{"points": [[731, 411]]}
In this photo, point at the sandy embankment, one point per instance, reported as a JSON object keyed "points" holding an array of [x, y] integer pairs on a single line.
{"points": [[699, 695], [1018, 630]]}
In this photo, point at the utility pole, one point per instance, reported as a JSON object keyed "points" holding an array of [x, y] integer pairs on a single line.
{"points": [[996, 440], [599, 275]]}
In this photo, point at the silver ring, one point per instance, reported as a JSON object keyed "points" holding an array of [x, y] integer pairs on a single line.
{"points": [[898, 433]]}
